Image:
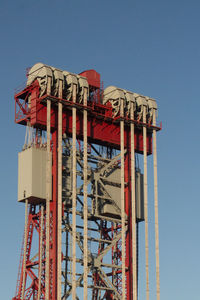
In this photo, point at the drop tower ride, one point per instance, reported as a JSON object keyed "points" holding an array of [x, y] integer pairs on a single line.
{"points": [[83, 190]]}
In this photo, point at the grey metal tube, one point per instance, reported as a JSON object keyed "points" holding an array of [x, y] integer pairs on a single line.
{"points": [[133, 208], [156, 208], [146, 202]]}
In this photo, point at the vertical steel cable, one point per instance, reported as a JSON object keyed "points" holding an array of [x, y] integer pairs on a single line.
{"points": [[146, 202], [59, 240], [122, 200], [40, 250], [48, 189], [133, 207], [25, 247], [156, 208], [85, 205], [74, 196]]}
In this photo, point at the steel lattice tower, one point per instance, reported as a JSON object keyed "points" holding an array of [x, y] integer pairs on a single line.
{"points": [[84, 195]]}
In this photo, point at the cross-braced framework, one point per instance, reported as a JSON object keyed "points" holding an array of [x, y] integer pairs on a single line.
{"points": [[104, 224], [28, 288]]}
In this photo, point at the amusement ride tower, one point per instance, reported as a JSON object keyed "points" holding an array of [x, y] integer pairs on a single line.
{"points": [[83, 191]]}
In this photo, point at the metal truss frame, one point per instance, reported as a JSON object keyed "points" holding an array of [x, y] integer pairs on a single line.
{"points": [[104, 274]]}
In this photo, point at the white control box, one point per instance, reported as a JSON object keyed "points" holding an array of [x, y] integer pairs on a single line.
{"points": [[32, 175]]}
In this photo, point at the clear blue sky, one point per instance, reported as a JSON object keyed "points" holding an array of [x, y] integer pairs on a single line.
{"points": [[149, 47]]}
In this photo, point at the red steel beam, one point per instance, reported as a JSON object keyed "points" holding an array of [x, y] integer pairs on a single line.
{"points": [[101, 129]]}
